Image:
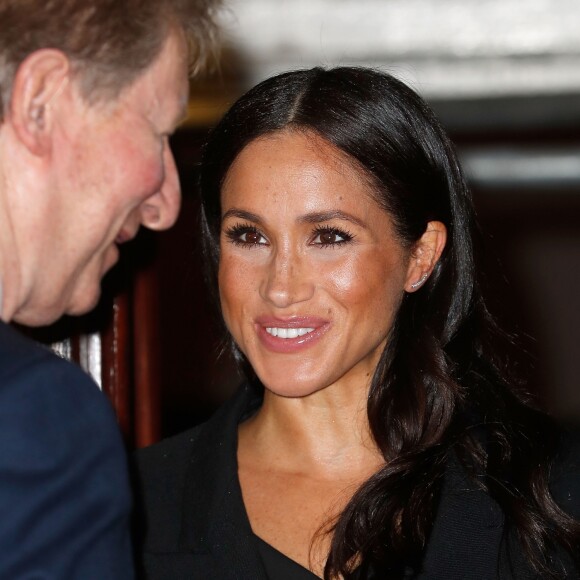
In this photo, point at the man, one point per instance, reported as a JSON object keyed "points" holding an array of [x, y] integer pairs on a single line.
{"points": [[90, 91]]}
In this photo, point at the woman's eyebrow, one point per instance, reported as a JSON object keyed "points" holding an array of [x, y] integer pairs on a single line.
{"points": [[242, 214], [309, 218], [324, 216]]}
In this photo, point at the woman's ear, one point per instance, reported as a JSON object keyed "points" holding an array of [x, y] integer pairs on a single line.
{"points": [[38, 82], [425, 254]]}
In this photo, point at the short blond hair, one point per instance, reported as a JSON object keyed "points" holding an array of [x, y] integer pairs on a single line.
{"points": [[109, 42]]}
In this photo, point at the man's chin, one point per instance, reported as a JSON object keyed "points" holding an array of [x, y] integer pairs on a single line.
{"points": [[85, 303], [46, 315]]}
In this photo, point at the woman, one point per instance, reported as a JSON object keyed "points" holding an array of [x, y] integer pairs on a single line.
{"points": [[377, 435]]}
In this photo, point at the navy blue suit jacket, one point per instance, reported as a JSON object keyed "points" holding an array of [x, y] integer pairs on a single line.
{"points": [[64, 492]]}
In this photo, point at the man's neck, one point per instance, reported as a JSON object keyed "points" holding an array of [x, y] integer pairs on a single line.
{"points": [[9, 255]]}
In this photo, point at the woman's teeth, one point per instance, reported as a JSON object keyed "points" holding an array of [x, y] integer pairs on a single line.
{"points": [[288, 332]]}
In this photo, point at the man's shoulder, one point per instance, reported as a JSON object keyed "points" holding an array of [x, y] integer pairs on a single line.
{"points": [[28, 366], [18, 352], [41, 391], [62, 465]]}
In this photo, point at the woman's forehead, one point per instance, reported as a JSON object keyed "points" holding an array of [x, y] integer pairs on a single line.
{"points": [[303, 154]]}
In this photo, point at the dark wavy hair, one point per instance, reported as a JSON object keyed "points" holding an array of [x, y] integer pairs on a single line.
{"points": [[440, 389]]}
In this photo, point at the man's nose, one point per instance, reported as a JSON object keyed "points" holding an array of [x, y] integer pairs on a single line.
{"points": [[160, 211]]}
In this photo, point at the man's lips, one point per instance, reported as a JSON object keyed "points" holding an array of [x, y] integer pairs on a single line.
{"points": [[124, 236]]}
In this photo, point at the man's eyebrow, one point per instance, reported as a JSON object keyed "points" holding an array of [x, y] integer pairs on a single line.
{"points": [[242, 214], [324, 216]]}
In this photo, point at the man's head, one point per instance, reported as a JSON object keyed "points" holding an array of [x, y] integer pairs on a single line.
{"points": [[109, 42], [91, 89]]}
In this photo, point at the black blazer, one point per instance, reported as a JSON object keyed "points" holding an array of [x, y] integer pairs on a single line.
{"points": [[196, 527], [65, 502]]}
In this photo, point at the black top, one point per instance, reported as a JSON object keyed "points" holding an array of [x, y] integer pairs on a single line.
{"points": [[196, 526], [279, 567]]}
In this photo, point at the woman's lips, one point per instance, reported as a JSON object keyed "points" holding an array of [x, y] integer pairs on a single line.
{"points": [[282, 332], [286, 335]]}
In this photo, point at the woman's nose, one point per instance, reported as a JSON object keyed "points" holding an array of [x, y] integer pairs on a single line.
{"points": [[288, 280]]}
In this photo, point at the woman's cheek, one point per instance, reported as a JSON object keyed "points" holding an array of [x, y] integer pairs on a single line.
{"points": [[234, 280], [346, 277]]}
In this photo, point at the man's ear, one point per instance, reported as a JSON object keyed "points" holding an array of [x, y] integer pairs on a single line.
{"points": [[425, 254], [38, 82]]}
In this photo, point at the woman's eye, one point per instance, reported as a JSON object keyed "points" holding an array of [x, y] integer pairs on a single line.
{"points": [[251, 237], [245, 236], [331, 237]]}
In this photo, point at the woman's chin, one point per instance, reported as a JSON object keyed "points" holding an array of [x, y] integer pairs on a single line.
{"points": [[292, 389]]}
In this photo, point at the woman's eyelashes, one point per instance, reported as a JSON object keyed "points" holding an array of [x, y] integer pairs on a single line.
{"points": [[328, 236], [247, 235]]}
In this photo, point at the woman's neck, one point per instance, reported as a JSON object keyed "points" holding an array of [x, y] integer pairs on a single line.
{"points": [[323, 433]]}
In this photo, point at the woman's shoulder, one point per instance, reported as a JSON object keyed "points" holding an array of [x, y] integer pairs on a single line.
{"points": [[175, 452], [565, 473], [162, 468], [159, 475], [190, 469], [164, 461]]}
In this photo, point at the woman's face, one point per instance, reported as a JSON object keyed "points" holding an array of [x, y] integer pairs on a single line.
{"points": [[311, 273]]}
